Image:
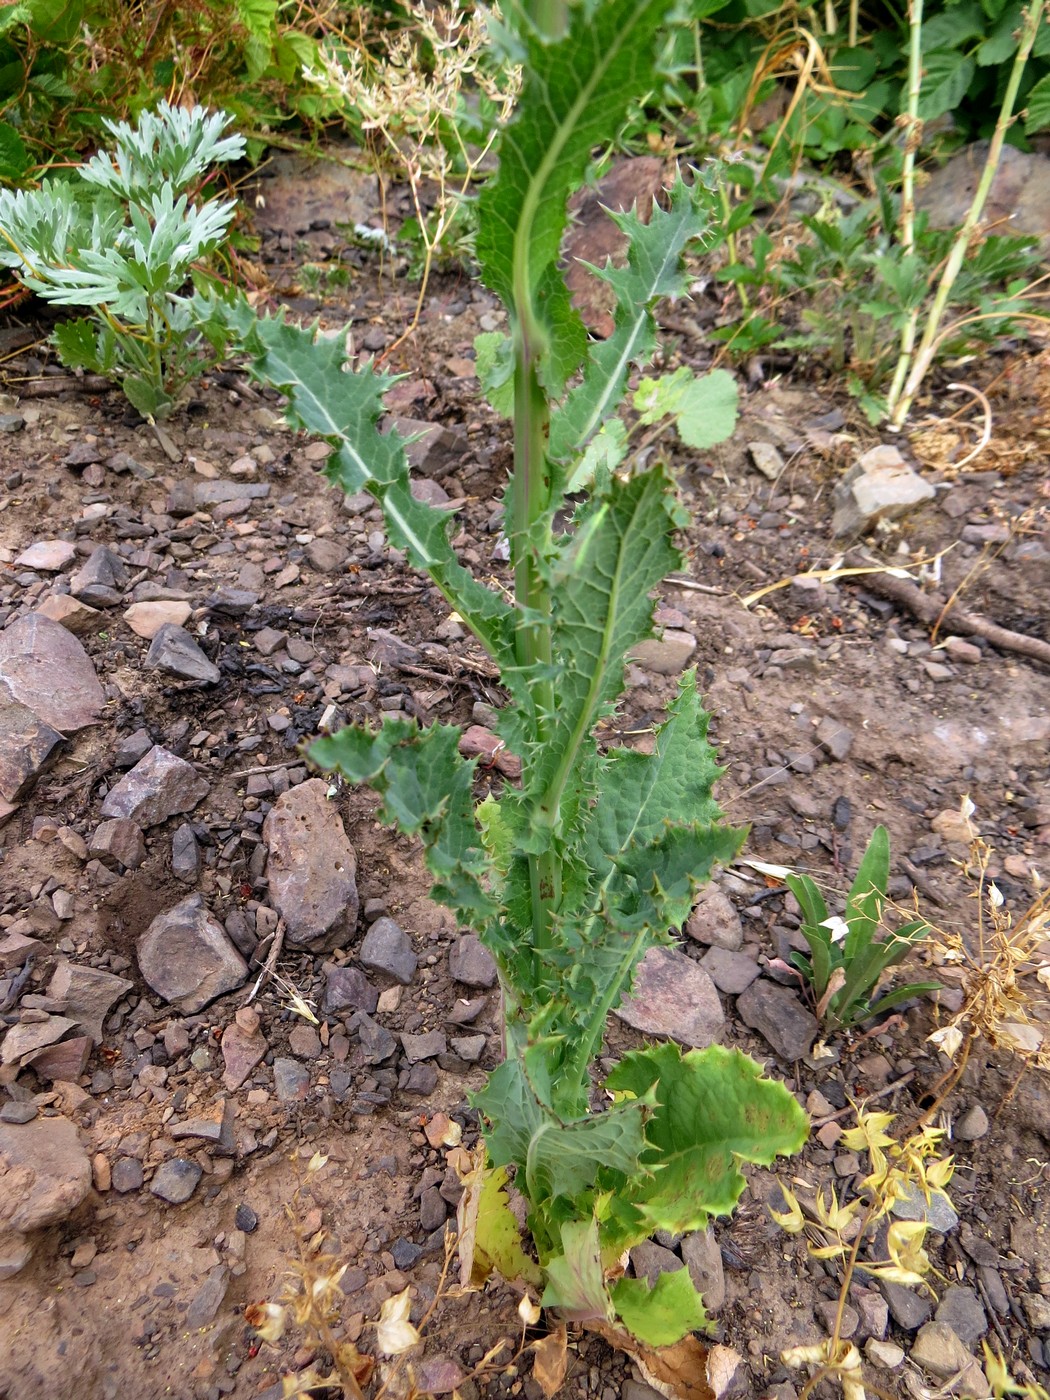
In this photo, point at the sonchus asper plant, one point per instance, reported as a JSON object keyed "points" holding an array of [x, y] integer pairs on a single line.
{"points": [[572, 877]]}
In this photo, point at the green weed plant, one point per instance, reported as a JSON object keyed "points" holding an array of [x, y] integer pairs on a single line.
{"points": [[570, 878], [847, 959], [124, 238]]}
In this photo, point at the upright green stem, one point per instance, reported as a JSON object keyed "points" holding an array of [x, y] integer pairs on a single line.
{"points": [[1030, 21], [530, 499], [913, 136]]}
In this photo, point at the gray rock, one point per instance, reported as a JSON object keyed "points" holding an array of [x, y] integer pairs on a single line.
{"points": [[28, 747], [715, 921], [730, 972], [423, 1047], [433, 1208], [468, 1047], [672, 996], [210, 493], [649, 1261], [87, 994], [243, 1046], [304, 1042], [127, 1174], [45, 668], [827, 1310], [421, 1079], [940, 1352], [46, 1174], [1018, 200], [173, 650], [888, 1355], [471, 963], [907, 1308], [186, 957], [972, 1125], [326, 555], [101, 580], [874, 1312], [66, 1060], [118, 842], [312, 868], [18, 1111], [23, 1040], [291, 1080], [348, 989], [231, 602], [208, 1299], [185, 855], [834, 737], [160, 786], [937, 1211], [176, 1180], [48, 556], [703, 1259], [132, 748], [665, 655], [879, 486], [1037, 1310], [766, 459], [387, 948], [377, 1043], [779, 1017], [435, 449], [638, 1390], [960, 1308]]}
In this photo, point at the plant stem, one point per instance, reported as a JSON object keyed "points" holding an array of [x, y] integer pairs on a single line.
{"points": [[530, 492], [1030, 21], [913, 135]]}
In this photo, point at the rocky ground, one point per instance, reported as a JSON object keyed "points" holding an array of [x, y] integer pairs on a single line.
{"points": [[180, 615]]}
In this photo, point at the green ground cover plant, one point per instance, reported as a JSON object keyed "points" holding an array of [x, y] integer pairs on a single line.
{"points": [[846, 958], [124, 237], [571, 877]]}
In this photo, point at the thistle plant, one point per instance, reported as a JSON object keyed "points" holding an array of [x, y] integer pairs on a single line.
{"points": [[124, 238], [570, 878]]}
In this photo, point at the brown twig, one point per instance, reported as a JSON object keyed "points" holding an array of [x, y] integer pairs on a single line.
{"points": [[51, 388], [936, 610], [271, 961]]}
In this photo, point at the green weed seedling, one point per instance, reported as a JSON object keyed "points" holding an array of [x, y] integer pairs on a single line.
{"points": [[846, 960], [572, 876], [123, 238]]}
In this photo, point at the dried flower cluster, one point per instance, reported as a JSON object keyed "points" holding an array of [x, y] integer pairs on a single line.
{"points": [[414, 102], [1003, 970]]}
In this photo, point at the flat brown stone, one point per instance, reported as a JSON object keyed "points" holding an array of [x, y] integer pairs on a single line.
{"points": [[28, 746], [47, 669], [673, 997], [311, 868]]}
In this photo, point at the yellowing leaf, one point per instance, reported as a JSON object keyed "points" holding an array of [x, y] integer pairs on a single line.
{"points": [[791, 1220]]}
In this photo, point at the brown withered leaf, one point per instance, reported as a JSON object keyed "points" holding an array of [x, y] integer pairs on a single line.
{"points": [[551, 1360], [679, 1372]]}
